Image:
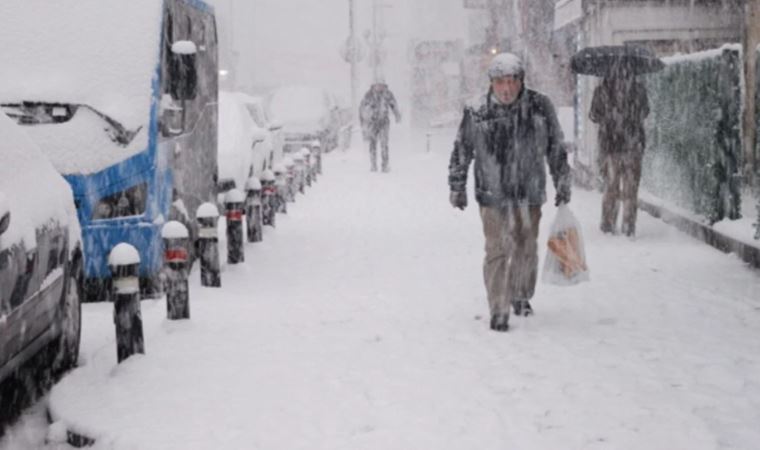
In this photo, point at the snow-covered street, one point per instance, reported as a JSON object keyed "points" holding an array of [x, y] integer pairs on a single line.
{"points": [[361, 323]]}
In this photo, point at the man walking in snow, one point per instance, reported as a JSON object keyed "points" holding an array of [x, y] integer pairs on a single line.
{"points": [[510, 135], [373, 116], [619, 105]]}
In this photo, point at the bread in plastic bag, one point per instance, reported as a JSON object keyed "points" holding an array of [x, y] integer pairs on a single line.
{"points": [[565, 262]]}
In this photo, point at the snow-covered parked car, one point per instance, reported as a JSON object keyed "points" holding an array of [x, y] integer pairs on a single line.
{"points": [[40, 258], [245, 149], [272, 128], [307, 114]]}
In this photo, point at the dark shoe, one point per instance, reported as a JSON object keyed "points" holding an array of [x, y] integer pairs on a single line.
{"points": [[500, 322], [522, 308], [608, 229], [386, 169], [628, 230]]}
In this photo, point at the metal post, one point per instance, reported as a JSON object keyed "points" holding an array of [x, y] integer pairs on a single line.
{"points": [[375, 43], [300, 172], [316, 149], [290, 177], [270, 199], [750, 42], [233, 203], [354, 62], [280, 184], [307, 165], [124, 262], [253, 215], [208, 245], [176, 239]]}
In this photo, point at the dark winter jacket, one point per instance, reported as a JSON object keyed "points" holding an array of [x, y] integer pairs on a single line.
{"points": [[374, 108], [619, 106], [510, 145]]}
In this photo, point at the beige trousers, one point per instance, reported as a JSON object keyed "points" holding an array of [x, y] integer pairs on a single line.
{"points": [[510, 267], [621, 173]]}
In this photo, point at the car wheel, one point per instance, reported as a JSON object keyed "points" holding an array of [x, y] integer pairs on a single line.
{"points": [[67, 346]]}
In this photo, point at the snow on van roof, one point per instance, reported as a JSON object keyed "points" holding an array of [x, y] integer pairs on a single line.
{"points": [[31, 189], [97, 52], [102, 53]]}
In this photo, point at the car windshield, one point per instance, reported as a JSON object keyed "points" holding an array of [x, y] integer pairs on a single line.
{"points": [[40, 113], [257, 116]]}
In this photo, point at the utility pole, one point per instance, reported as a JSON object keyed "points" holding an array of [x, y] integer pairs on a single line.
{"points": [[354, 61], [493, 31], [230, 76], [751, 40], [375, 41], [376, 36]]}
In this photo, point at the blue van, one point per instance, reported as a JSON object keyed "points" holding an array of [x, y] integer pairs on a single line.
{"points": [[121, 96]]}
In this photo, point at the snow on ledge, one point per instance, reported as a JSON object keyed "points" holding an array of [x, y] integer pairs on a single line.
{"points": [[700, 56]]}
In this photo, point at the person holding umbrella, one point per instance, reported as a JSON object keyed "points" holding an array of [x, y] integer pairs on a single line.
{"points": [[619, 106], [511, 136]]}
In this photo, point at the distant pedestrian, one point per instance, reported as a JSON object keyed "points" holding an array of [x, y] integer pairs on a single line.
{"points": [[511, 135], [375, 122], [619, 105]]}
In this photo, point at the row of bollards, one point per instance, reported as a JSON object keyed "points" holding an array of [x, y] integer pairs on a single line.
{"points": [[262, 200]]}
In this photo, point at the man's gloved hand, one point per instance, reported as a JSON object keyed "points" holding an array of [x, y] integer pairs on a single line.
{"points": [[563, 196], [458, 199]]}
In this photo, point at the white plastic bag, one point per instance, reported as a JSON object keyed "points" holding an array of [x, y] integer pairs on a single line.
{"points": [[565, 262]]}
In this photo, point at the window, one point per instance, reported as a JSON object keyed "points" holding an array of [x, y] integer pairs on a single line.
{"points": [[129, 202]]}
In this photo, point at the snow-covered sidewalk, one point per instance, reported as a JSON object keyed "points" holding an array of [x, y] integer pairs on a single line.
{"points": [[361, 323]]}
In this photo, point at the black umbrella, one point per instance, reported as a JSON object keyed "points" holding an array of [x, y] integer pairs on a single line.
{"points": [[612, 60]]}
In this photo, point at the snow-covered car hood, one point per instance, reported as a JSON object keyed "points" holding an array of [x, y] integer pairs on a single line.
{"points": [[31, 189], [82, 145], [303, 127]]}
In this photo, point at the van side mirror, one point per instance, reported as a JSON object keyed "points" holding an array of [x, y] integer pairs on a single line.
{"points": [[259, 136], [183, 71], [5, 222], [172, 119]]}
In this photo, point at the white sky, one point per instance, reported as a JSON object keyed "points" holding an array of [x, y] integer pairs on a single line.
{"points": [[298, 41]]}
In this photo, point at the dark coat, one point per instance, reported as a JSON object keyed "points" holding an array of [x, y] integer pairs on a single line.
{"points": [[374, 109], [619, 106], [511, 145]]}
